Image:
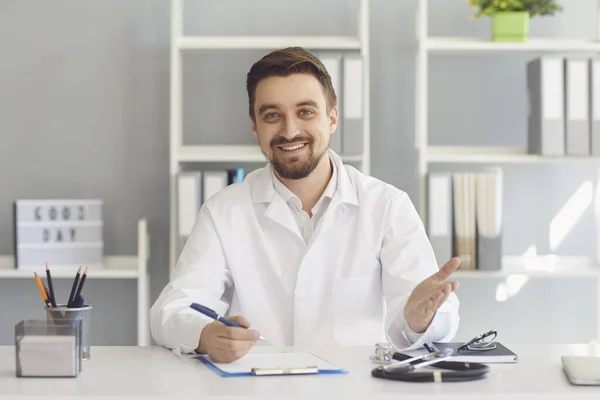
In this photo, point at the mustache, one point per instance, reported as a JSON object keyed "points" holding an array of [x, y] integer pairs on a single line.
{"points": [[278, 141]]}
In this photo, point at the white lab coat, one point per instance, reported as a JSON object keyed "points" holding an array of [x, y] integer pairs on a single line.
{"points": [[347, 286]]}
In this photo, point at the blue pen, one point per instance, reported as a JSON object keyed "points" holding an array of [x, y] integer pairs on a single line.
{"points": [[210, 313]]}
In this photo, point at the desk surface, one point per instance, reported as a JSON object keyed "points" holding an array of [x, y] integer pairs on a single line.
{"points": [[143, 372]]}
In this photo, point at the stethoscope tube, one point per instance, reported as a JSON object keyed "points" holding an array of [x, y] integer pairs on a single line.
{"points": [[445, 371], [470, 373]]}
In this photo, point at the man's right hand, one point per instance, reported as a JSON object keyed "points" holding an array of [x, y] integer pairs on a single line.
{"points": [[224, 343]]}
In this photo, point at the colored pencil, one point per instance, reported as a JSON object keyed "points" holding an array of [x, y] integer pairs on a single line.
{"points": [[51, 293], [78, 293], [74, 288], [47, 295], [49, 304], [41, 287]]}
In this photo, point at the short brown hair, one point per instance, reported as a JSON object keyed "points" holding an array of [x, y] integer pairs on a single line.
{"points": [[284, 62]]}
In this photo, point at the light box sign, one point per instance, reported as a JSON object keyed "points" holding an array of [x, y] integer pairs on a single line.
{"points": [[62, 233]]}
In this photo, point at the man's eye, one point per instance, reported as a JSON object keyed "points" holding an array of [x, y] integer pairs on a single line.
{"points": [[306, 112], [271, 115]]}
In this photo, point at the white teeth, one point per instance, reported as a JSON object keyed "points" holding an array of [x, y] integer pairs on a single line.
{"points": [[293, 147]]}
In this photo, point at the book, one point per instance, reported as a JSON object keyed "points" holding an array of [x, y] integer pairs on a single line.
{"points": [[500, 354]]}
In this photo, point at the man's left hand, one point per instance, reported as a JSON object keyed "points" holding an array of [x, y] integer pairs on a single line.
{"points": [[429, 295]]}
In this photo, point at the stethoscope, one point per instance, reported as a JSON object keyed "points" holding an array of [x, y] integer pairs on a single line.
{"points": [[409, 369]]}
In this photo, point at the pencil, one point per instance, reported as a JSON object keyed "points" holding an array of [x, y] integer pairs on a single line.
{"points": [[41, 287], [75, 282], [49, 304], [51, 293], [78, 294], [46, 289]]}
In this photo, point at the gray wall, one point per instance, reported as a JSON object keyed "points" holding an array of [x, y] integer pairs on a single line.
{"points": [[84, 113]]}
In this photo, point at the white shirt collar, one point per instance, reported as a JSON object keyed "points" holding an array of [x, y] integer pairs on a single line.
{"points": [[288, 196]]}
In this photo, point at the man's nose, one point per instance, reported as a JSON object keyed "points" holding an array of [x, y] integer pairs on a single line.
{"points": [[290, 128]]}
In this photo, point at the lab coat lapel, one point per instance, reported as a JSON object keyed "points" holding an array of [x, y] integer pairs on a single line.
{"points": [[277, 210], [334, 213], [344, 196]]}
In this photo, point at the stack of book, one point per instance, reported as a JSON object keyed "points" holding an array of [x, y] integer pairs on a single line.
{"points": [[465, 217], [564, 105], [347, 77], [193, 189]]}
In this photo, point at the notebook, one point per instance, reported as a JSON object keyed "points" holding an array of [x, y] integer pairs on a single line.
{"points": [[501, 354], [263, 364]]}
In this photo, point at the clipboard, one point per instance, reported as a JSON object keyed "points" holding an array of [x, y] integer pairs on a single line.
{"points": [[273, 364]]}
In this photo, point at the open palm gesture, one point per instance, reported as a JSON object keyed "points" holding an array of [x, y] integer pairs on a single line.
{"points": [[429, 295]]}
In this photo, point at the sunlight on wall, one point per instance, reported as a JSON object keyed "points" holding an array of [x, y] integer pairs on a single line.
{"points": [[560, 226], [515, 282], [565, 219], [530, 255], [510, 288]]}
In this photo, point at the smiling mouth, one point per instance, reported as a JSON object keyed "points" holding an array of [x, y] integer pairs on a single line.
{"points": [[292, 147]]}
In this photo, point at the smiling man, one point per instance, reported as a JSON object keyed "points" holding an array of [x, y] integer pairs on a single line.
{"points": [[295, 146], [306, 249]]}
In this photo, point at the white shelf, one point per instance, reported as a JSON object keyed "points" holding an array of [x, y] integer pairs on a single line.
{"points": [[465, 44], [221, 153], [267, 42], [116, 267], [232, 153], [541, 267], [491, 154]]}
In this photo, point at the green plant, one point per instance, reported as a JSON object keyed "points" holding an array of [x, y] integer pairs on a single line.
{"points": [[533, 7]]}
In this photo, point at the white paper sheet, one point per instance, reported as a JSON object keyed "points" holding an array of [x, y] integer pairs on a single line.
{"points": [[275, 360]]}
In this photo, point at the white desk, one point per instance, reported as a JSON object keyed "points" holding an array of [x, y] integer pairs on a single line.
{"points": [[144, 372]]}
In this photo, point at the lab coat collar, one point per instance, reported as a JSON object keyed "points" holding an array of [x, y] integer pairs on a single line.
{"points": [[290, 198], [263, 191]]}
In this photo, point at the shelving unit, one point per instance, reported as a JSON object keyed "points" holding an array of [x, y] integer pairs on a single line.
{"points": [[538, 267], [542, 267], [115, 267], [181, 44], [267, 42], [464, 45], [503, 155], [428, 46]]}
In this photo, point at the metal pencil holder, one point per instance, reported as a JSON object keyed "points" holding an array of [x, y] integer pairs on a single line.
{"points": [[79, 315]]}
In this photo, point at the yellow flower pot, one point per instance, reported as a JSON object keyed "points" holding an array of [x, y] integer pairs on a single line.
{"points": [[510, 26]]}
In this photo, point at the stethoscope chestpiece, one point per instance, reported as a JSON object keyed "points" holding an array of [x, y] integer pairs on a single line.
{"points": [[382, 354]]}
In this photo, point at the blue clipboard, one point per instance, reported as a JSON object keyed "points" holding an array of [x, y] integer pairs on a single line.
{"points": [[273, 367]]}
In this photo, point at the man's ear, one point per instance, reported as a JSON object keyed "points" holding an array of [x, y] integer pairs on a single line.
{"points": [[333, 119], [254, 129]]}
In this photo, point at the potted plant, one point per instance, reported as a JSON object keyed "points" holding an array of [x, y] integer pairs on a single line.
{"points": [[510, 18]]}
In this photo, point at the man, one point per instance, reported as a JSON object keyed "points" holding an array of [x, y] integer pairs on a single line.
{"points": [[308, 250]]}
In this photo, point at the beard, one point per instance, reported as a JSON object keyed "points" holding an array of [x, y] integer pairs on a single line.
{"points": [[297, 167]]}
